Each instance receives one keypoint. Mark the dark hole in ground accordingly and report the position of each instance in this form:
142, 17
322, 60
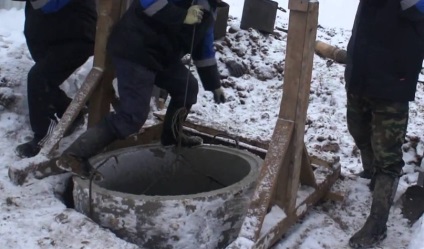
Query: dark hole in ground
165, 172
208, 182
67, 195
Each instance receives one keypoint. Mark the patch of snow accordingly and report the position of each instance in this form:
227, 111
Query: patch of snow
33, 216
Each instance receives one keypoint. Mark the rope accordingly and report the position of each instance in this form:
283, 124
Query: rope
180, 115
190, 58
92, 176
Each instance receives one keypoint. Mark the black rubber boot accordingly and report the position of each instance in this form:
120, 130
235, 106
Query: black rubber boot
28, 149
375, 229
367, 156
172, 133
33, 147
371, 186
75, 158
365, 174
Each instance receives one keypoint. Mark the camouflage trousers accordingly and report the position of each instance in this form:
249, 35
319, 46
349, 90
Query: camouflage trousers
378, 128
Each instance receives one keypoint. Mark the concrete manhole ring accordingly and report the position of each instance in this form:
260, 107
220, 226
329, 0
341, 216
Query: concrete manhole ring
157, 198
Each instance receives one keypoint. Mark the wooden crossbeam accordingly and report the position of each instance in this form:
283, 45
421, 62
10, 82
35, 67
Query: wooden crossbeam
270, 237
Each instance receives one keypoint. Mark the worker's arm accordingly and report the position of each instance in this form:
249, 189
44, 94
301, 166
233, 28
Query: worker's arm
49, 6
164, 11
413, 9
204, 59
207, 68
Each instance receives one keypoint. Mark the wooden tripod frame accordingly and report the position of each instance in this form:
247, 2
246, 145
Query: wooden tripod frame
287, 163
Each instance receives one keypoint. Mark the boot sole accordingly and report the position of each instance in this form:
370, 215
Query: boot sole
359, 246
98, 177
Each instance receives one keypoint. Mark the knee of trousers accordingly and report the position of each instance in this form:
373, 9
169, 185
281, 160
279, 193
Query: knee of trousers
189, 95
36, 81
123, 125
361, 135
394, 169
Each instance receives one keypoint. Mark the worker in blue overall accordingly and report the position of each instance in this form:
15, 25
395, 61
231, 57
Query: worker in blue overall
146, 47
60, 38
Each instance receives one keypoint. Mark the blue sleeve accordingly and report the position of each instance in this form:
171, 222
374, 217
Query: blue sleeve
147, 3
413, 9
164, 11
49, 6
204, 53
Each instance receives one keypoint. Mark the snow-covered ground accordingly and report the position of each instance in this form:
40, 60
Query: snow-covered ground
32, 216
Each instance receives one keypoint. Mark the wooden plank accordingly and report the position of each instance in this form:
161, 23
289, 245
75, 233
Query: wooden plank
47, 166
293, 66
225, 141
281, 184
298, 5
307, 176
274, 234
267, 180
109, 12
297, 81
102, 97
335, 196
208, 134
72, 111
39, 167
146, 136
213, 132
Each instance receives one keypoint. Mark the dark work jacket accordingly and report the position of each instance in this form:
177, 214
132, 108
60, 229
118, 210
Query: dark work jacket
386, 50
157, 38
50, 25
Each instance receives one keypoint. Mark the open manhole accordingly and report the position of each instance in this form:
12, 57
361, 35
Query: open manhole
158, 197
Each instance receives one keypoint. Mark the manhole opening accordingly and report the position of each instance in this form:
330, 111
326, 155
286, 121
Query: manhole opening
66, 196
184, 199
163, 172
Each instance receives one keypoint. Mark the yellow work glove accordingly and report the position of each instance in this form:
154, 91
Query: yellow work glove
194, 15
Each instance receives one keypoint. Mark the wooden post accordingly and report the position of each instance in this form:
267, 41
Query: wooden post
297, 84
287, 163
99, 103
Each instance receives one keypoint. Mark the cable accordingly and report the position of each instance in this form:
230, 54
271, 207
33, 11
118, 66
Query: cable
92, 177
180, 115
